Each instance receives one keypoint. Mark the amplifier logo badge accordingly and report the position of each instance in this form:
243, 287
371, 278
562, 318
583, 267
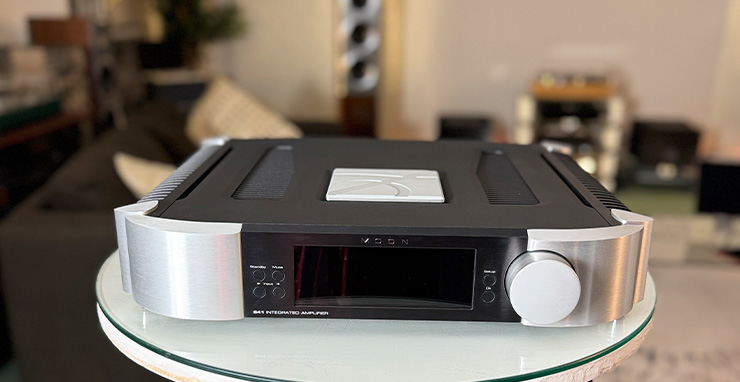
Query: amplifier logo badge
387, 241
385, 185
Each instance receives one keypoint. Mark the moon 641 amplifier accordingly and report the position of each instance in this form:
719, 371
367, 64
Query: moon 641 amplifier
360, 228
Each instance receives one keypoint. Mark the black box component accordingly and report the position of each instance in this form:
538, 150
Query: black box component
445, 230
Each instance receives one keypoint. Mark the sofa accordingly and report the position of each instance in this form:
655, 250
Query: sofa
53, 244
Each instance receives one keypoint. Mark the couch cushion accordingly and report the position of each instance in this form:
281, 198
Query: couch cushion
164, 122
89, 180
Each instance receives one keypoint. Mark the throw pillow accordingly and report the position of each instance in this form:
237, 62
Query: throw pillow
140, 175
227, 110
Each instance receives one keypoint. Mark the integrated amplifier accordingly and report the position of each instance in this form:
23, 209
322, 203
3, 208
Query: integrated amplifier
361, 228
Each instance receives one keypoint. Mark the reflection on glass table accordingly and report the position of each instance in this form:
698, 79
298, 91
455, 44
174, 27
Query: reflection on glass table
315, 349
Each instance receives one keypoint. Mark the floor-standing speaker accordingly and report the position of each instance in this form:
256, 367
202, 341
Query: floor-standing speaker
359, 70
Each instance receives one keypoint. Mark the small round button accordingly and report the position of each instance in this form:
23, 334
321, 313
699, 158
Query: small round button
488, 296
259, 292
258, 275
489, 280
278, 276
278, 292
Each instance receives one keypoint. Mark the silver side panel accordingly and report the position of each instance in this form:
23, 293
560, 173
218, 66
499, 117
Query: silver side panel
150, 201
181, 269
630, 218
120, 214
611, 263
184, 269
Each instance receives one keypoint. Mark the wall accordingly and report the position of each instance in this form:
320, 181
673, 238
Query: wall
285, 58
478, 55
725, 115
14, 16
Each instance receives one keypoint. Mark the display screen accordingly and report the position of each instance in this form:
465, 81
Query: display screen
384, 277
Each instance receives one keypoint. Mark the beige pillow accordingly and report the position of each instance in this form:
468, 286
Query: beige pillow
227, 110
140, 175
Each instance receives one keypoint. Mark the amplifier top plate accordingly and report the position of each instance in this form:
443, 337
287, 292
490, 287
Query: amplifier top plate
479, 187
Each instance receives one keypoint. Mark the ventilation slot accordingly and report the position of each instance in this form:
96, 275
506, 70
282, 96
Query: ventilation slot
592, 185
270, 178
181, 174
501, 181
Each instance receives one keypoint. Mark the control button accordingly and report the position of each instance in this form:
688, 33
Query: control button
258, 275
259, 292
489, 280
488, 296
278, 276
278, 292
543, 287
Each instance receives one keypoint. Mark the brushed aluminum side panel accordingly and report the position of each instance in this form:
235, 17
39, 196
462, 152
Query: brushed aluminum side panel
120, 214
606, 260
184, 269
626, 217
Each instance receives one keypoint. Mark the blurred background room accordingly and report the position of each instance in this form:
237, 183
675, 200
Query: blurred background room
101, 99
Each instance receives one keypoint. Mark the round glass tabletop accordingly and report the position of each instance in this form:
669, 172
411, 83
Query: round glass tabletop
284, 349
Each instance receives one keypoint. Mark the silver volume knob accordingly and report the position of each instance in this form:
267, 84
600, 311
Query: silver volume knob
543, 287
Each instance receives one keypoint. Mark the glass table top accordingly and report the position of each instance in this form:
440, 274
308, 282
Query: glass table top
314, 349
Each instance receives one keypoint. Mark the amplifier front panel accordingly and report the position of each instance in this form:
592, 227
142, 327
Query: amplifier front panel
378, 276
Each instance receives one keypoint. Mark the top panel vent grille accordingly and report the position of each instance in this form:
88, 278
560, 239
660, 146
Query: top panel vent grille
181, 174
270, 177
592, 185
501, 181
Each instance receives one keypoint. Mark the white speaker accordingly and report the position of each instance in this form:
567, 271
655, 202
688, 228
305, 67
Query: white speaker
359, 42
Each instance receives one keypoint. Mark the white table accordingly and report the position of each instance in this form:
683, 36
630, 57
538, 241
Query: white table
284, 349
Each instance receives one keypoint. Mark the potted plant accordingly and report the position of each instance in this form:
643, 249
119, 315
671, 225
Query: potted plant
191, 23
